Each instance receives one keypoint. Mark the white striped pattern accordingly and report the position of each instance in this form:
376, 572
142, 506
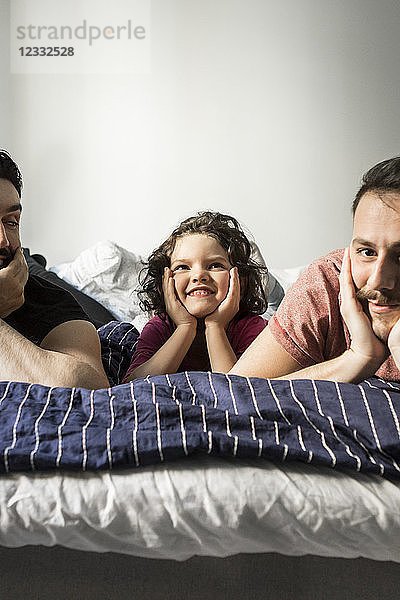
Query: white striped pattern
331, 424
339, 393
260, 447
191, 387
113, 329
59, 429
212, 389
121, 360
277, 441
203, 415
276, 433
320, 433
278, 404
285, 452
5, 392
346, 446
301, 442
316, 396
254, 436
235, 445
394, 414
371, 458
168, 380
253, 429
374, 432
135, 428
174, 395
14, 439
210, 442
84, 428
109, 429
110, 350
159, 441
36, 429
235, 410
183, 430
374, 387
253, 397
388, 383
228, 429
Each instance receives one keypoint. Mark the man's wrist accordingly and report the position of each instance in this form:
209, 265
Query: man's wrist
361, 365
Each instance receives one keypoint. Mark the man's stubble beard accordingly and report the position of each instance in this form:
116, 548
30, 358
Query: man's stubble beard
7, 256
381, 325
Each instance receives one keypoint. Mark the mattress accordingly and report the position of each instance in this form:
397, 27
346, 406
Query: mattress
205, 506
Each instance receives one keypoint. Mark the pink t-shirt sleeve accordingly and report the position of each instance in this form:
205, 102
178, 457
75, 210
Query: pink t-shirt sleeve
308, 324
154, 335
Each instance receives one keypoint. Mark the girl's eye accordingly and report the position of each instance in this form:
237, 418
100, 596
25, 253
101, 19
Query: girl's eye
217, 265
180, 268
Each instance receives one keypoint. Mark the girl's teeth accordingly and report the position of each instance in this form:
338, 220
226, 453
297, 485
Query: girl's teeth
200, 293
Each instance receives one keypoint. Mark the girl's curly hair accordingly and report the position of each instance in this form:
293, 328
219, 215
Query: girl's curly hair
227, 231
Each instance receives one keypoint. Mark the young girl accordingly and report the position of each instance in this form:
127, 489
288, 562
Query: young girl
207, 295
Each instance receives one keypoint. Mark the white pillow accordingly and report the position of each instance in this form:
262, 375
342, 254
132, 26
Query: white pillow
109, 274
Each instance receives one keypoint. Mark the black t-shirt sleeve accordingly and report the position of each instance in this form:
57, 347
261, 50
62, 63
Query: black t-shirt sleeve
46, 306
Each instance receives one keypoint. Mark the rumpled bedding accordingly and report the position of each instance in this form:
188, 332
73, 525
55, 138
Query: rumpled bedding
201, 464
170, 417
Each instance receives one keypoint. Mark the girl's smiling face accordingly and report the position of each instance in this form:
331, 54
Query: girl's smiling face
200, 267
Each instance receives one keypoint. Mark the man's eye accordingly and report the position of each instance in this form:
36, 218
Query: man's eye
12, 224
366, 252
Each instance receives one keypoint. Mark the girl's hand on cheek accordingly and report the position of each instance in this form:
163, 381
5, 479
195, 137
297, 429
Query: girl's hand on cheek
175, 309
228, 308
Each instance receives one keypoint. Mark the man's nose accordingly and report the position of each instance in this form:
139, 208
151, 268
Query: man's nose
384, 275
4, 243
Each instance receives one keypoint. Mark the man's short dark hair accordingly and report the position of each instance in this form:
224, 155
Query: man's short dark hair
10, 171
381, 178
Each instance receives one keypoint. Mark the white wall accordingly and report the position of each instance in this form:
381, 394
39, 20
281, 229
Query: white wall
5, 78
267, 109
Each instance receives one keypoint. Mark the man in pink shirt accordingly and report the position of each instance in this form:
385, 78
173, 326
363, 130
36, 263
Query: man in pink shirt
341, 320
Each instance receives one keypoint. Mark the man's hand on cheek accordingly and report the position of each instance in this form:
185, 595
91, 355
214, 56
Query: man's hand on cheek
13, 279
365, 346
393, 342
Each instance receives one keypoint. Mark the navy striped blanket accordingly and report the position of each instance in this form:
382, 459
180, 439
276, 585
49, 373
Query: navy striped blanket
170, 417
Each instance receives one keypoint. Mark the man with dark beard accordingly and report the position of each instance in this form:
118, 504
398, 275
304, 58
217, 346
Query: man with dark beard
319, 333
45, 337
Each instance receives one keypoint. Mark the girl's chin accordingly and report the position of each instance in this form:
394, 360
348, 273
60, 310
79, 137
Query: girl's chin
201, 313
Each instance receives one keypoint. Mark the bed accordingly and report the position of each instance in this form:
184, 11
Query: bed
196, 484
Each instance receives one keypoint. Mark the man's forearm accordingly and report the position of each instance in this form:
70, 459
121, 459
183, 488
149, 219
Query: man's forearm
22, 360
347, 368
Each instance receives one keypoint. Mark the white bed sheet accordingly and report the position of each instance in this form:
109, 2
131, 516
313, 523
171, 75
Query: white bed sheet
205, 506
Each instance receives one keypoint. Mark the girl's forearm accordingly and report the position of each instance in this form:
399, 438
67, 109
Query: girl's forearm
222, 357
168, 358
